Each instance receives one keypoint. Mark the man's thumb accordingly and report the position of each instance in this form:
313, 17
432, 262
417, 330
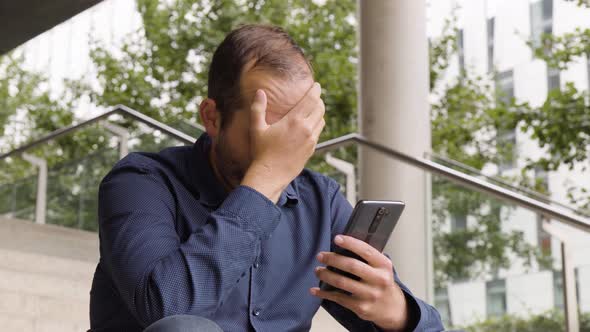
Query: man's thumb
258, 109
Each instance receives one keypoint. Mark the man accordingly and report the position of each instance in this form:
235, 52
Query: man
233, 232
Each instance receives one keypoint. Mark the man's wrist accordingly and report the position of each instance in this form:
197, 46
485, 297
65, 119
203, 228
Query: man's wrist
398, 324
260, 179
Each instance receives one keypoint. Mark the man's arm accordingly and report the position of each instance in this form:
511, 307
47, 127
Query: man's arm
420, 315
158, 275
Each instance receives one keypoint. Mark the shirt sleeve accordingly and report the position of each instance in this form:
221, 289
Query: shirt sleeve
423, 317
155, 273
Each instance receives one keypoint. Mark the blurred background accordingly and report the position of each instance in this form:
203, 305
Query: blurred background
496, 91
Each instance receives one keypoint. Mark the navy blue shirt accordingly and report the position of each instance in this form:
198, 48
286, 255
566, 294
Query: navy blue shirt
173, 241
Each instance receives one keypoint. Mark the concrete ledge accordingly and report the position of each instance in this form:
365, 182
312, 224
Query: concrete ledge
50, 240
45, 276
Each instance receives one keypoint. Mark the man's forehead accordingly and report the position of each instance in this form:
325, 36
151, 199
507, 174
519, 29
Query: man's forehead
282, 93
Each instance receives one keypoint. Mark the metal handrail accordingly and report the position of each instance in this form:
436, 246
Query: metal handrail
122, 109
494, 179
463, 179
422, 163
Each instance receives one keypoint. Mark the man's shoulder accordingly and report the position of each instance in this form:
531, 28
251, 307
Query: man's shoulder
152, 162
319, 181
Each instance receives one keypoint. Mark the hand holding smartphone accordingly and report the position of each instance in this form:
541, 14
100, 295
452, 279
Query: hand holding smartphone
371, 222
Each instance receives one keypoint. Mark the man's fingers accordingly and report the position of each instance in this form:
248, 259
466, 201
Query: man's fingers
347, 264
339, 281
344, 300
317, 111
306, 105
258, 110
363, 249
317, 130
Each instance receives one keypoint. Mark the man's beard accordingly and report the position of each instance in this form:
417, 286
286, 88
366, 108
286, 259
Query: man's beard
229, 169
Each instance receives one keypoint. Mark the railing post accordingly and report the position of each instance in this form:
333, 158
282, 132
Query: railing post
123, 135
570, 297
348, 169
13, 204
41, 201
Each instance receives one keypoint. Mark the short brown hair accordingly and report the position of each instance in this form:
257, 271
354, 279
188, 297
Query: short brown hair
269, 47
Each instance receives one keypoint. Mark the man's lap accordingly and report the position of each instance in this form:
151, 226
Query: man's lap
183, 323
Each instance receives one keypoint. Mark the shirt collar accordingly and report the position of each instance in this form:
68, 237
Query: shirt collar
209, 189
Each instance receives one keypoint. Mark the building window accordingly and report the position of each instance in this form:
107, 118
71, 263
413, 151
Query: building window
505, 86
541, 20
458, 222
577, 282
553, 82
558, 289
490, 27
541, 179
543, 238
506, 139
461, 50
542, 185
496, 298
442, 304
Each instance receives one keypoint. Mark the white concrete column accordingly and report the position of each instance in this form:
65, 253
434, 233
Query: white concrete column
394, 111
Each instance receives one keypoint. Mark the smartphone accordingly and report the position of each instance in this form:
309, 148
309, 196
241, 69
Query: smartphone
371, 222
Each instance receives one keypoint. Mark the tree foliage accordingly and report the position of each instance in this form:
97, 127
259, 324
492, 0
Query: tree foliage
562, 124
548, 321
161, 70
467, 117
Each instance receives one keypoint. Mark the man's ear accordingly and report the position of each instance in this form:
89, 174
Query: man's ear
210, 117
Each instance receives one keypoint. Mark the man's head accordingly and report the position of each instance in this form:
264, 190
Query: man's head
251, 57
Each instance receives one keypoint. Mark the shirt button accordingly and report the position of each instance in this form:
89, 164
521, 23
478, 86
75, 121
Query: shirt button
256, 312
256, 265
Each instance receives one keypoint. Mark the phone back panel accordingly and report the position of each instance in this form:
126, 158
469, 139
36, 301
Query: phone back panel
365, 226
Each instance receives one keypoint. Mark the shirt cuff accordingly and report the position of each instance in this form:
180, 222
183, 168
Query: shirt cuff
422, 316
414, 311
254, 208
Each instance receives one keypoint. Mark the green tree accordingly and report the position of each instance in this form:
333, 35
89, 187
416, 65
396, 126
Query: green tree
161, 70
71, 178
21, 90
562, 124
467, 117
548, 321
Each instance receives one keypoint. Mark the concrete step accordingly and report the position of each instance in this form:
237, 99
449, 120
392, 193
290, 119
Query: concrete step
323, 321
71, 269
18, 324
50, 240
35, 307
42, 285
45, 276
